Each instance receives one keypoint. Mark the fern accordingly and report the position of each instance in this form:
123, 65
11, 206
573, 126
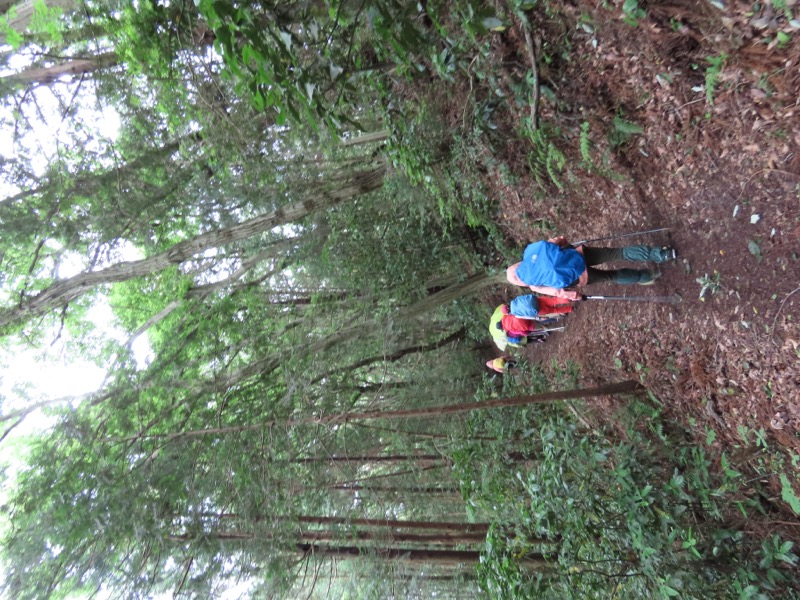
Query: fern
555, 160
586, 144
626, 127
623, 131
536, 169
538, 158
545, 158
712, 75
788, 495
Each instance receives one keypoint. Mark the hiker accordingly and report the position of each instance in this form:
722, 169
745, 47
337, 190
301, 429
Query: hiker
501, 364
540, 308
522, 321
521, 329
509, 329
549, 267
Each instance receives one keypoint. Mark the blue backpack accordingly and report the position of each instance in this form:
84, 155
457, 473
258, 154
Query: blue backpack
545, 263
525, 306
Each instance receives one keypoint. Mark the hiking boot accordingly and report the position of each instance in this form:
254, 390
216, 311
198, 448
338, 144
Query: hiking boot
662, 255
649, 277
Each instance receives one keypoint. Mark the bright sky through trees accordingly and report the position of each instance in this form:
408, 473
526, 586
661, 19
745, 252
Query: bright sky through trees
48, 373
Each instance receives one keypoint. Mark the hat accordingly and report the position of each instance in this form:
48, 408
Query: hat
496, 364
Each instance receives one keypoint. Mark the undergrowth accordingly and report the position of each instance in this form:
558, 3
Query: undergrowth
632, 509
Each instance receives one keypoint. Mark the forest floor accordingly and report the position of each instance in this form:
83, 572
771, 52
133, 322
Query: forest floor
725, 179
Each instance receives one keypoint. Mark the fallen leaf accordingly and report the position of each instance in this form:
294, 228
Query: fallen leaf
755, 249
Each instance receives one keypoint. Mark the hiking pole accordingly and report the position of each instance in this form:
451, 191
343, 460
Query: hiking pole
616, 237
537, 331
674, 299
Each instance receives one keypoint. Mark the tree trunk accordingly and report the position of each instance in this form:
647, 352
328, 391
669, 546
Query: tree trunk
63, 292
384, 536
482, 528
367, 138
629, 386
381, 536
369, 459
432, 302
388, 475
468, 286
24, 12
46, 75
450, 558
624, 387
419, 489
395, 356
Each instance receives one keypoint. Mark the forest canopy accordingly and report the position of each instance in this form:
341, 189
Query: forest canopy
272, 227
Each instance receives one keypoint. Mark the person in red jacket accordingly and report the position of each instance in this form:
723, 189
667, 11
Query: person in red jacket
519, 327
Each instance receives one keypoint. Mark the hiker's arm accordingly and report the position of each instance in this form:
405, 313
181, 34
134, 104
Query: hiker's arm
550, 291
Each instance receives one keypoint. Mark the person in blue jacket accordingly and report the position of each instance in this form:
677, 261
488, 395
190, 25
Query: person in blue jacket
550, 267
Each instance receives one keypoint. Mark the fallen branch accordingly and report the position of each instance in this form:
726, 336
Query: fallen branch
535, 69
765, 170
780, 308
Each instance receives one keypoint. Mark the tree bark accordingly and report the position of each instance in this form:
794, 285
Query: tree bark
311, 536
624, 387
63, 292
482, 528
367, 138
629, 386
395, 356
46, 75
468, 286
449, 558
420, 489
24, 12
369, 459
435, 539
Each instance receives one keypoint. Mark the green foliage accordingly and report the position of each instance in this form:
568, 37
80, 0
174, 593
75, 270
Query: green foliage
478, 19
600, 166
709, 284
136, 301
268, 61
632, 12
635, 511
13, 37
622, 131
362, 247
45, 22
788, 495
450, 165
545, 156
713, 72
309, 73
586, 144
501, 573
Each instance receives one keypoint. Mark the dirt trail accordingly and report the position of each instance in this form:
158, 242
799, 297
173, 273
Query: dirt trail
725, 177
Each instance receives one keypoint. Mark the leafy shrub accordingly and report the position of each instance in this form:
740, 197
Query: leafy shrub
628, 512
